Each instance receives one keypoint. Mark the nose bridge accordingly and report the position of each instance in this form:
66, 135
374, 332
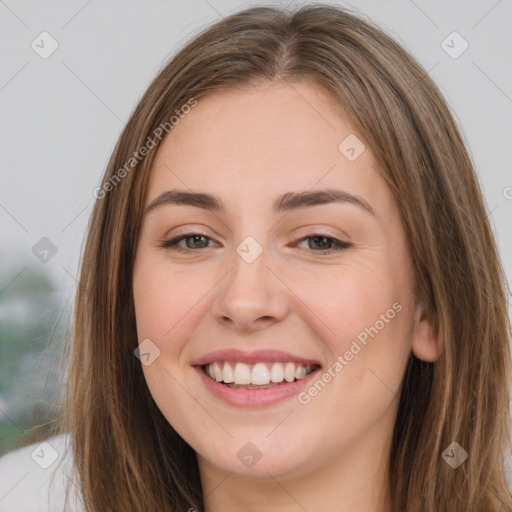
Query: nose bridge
250, 275
250, 291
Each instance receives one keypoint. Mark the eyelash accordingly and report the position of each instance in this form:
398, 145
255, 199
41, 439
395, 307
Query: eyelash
172, 244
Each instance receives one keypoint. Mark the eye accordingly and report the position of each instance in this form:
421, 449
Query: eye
197, 242
327, 244
322, 244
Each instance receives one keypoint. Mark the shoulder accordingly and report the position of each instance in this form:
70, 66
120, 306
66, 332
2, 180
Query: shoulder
39, 478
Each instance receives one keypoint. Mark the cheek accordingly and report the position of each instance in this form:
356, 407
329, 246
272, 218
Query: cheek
166, 308
365, 311
347, 297
165, 301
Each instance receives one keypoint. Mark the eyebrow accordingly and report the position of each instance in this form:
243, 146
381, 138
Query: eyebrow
284, 203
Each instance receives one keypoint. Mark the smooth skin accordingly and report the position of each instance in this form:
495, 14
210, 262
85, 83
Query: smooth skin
300, 295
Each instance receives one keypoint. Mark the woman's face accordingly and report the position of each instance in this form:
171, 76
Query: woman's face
264, 289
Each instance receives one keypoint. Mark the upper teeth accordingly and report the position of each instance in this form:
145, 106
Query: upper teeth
259, 373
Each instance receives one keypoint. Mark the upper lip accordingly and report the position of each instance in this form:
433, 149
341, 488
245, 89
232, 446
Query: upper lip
257, 356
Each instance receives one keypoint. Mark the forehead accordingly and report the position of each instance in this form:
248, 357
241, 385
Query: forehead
248, 145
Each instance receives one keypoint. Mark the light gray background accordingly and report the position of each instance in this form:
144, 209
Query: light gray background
61, 116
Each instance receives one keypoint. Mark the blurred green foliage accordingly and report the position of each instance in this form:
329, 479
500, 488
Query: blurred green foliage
31, 340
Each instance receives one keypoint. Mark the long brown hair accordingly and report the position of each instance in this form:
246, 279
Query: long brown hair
127, 455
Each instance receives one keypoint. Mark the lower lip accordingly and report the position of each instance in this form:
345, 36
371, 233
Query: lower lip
254, 397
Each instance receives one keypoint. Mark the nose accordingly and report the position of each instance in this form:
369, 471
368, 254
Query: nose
251, 296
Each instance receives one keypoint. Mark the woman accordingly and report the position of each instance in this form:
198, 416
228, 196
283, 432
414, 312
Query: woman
290, 296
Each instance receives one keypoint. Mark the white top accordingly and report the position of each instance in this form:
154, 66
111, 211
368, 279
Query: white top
36, 478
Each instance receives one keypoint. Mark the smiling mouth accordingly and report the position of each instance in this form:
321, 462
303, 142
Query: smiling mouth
262, 375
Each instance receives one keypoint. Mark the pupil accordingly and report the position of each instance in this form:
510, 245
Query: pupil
196, 238
316, 238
